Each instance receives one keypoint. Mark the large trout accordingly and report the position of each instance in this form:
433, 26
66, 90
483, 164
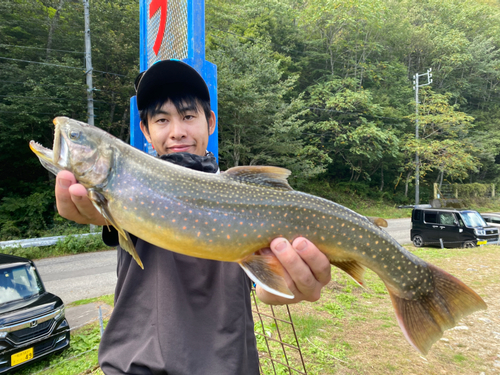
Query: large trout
229, 217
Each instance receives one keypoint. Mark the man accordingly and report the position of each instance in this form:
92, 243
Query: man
184, 315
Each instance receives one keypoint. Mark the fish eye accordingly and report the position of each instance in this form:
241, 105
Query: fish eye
74, 134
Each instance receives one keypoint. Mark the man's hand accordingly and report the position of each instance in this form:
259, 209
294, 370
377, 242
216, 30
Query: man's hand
73, 203
307, 270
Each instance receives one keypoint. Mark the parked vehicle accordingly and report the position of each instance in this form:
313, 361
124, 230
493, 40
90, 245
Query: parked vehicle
451, 227
492, 219
32, 320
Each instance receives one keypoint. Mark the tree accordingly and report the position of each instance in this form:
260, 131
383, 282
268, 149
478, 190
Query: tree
256, 124
442, 145
350, 126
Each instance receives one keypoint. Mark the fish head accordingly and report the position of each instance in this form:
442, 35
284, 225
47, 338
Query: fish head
79, 148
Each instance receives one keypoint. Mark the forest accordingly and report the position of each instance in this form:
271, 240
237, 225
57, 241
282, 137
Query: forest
321, 87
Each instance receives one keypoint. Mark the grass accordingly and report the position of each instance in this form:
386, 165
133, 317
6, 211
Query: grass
108, 299
81, 357
352, 330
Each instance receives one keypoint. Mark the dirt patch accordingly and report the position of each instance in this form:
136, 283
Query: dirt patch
368, 340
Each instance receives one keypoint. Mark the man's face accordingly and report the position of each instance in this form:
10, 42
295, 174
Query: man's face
169, 131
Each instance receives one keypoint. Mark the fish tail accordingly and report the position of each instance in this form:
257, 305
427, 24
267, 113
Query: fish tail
423, 320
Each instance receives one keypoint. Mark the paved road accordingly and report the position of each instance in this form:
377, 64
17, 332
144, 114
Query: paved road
400, 230
81, 276
76, 277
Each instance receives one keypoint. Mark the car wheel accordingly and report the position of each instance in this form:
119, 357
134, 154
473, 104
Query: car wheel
469, 244
418, 241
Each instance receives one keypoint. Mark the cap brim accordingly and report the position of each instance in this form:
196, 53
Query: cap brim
150, 84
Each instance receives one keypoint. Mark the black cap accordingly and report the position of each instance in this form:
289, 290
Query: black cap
150, 83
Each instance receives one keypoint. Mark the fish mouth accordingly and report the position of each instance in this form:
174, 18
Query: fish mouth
54, 160
45, 154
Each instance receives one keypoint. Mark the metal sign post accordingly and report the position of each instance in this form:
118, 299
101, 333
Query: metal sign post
173, 29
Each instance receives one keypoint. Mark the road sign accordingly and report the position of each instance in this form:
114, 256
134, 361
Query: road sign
173, 29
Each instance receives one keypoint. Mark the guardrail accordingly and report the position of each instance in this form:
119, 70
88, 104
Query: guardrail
43, 241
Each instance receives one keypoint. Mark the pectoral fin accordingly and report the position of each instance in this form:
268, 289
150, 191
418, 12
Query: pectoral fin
101, 204
267, 272
127, 245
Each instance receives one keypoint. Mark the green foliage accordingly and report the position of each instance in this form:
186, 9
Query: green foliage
79, 358
442, 144
345, 120
108, 299
322, 88
42, 74
472, 190
25, 216
459, 358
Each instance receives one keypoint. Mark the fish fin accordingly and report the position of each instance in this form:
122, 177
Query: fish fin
423, 320
273, 177
353, 268
127, 245
378, 221
100, 202
267, 272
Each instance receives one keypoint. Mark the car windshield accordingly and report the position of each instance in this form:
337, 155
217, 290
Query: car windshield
19, 282
473, 219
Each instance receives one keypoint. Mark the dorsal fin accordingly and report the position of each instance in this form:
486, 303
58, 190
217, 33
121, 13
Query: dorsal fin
378, 221
273, 177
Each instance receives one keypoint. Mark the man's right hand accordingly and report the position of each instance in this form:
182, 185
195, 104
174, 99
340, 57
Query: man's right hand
73, 202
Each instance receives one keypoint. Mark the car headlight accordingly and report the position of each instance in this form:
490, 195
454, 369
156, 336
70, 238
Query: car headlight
60, 313
3, 335
480, 232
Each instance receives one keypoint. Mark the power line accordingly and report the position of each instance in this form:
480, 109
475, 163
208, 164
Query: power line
41, 63
60, 66
80, 86
46, 84
44, 49
49, 98
115, 74
39, 97
24, 113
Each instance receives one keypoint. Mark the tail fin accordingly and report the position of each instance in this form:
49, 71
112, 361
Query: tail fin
424, 320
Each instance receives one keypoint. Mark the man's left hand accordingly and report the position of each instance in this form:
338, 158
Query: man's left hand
307, 270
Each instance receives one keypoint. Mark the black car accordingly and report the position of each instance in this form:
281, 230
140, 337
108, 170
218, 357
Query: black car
32, 320
451, 228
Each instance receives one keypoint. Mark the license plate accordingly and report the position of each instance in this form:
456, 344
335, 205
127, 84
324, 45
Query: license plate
482, 242
21, 357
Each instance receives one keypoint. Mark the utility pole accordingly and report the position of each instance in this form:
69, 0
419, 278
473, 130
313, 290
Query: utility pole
88, 65
416, 86
88, 73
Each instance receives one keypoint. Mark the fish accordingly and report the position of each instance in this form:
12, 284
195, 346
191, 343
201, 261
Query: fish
232, 215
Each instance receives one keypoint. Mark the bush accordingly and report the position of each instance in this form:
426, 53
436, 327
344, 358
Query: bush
26, 217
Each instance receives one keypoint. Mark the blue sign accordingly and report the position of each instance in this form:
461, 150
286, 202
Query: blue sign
173, 29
